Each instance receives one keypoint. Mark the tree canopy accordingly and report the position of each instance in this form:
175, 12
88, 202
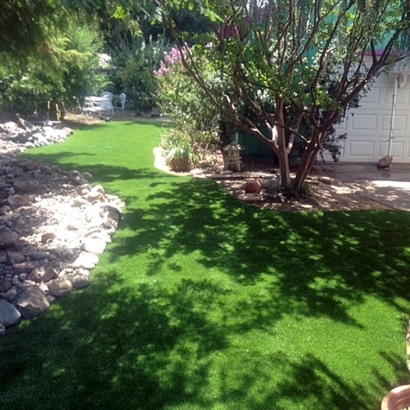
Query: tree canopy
25, 26
292, 67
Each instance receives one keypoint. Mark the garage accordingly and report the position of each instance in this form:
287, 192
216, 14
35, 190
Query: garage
381, 125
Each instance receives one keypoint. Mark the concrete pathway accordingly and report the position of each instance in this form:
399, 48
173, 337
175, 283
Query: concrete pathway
389, 186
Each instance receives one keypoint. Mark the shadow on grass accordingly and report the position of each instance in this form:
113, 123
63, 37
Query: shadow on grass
320, 262
147, 347
153, 344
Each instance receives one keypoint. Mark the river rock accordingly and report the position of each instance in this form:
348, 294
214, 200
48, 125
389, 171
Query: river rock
60, 287
96, 194
9, 315
19, 200
8, 238
32, 301
94, 245
81, 280
86, 260
53, 224
43, 273
27, 185
23, 267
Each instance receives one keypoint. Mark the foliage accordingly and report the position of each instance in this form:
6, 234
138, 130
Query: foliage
331, 144
315, 58
82, 75
26, 27
65, 74
115, 19
197, 122
134, 65
178, 149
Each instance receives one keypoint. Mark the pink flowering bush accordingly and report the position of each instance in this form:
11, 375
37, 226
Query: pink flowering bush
196, 120
170, 59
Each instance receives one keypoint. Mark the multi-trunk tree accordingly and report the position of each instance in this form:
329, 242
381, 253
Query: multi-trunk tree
292, 67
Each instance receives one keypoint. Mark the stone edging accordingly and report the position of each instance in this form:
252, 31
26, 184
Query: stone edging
53, 226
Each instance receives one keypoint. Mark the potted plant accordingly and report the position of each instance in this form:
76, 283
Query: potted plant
179, 159
177, 151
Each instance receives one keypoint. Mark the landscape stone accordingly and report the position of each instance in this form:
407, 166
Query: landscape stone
32, 301
60, 287
10, 127
27, 185
22, 277
6, 286
10, 295
9, 315
385, 162
86, 260
43, 273
19, 200
94, 245
23, 267
81, 281
15, 257
37, 255
53, 224
8, 238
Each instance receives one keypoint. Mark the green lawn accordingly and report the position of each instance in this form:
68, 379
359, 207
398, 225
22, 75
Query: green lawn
203, 302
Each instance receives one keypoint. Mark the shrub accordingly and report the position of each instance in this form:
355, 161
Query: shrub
67, 73
135, 63
197, 123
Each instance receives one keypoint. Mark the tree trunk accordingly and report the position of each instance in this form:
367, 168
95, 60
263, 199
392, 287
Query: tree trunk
281, 148
283, 159
308, 159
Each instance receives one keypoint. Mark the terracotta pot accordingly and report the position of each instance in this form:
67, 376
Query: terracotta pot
253, 187
397, 399
179, 164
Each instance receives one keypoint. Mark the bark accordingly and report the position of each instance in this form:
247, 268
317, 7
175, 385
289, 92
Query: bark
283, 157
280, 145
308, 159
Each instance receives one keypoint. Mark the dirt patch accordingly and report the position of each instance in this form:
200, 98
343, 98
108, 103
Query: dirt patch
324, 192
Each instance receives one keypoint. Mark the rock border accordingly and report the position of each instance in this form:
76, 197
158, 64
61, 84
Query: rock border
53, 225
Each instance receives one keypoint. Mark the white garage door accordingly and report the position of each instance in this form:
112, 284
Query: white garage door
368, 127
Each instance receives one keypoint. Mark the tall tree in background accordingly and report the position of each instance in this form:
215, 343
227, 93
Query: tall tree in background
286, 63
25, 26
61, 64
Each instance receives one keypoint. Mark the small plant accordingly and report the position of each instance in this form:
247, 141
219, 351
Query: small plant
178, 150
332, 145
290, 192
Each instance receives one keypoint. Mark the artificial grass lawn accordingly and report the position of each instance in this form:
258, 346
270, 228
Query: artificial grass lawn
203, 302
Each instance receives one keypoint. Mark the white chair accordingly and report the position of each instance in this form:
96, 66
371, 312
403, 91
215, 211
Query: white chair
123, 98
106, 108
108, 95
89, 106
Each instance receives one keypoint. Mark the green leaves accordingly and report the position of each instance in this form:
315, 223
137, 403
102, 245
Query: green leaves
288, 64
66, 72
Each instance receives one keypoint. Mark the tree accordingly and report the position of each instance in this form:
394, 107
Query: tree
25, 26
291, 66
135, 62
66, 71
